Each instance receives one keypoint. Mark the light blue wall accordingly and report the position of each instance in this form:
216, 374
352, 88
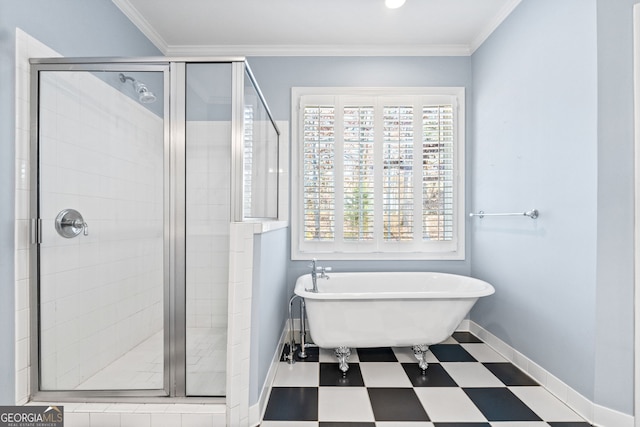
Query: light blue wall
269, 305
553, 129
615, 228
277, 75
73, 28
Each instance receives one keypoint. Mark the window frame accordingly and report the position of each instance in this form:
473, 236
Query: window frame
381, 250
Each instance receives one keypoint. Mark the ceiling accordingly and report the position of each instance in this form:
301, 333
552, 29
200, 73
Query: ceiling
316, 27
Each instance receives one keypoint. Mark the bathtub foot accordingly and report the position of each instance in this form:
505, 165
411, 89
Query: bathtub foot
343, 353
420, 351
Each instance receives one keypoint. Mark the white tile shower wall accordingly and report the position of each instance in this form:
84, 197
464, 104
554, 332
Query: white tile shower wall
26, 47
101, 153
240, 284
208, 215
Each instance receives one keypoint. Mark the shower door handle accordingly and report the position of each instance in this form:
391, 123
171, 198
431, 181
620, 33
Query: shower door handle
69, 223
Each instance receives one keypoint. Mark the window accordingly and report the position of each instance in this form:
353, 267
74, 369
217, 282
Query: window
378, 173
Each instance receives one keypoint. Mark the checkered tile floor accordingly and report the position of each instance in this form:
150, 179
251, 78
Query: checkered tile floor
467, 384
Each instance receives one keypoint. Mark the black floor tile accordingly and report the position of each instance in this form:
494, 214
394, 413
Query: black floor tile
461, 425
292, 404
500, 404
313, 354
510, 375
346, 424
331, 375
436, 376
451, 353
466, 337
568, 424
378, 354
402, 404
396, 404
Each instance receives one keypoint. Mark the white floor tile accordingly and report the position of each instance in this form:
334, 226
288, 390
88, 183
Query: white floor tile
467, 374
384, 374
300, 374
344, 404
483, 353
447, 404
544, 404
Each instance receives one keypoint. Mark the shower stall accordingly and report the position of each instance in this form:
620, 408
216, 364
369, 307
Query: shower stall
139, 167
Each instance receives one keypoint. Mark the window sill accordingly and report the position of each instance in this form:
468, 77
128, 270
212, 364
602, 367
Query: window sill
380, 256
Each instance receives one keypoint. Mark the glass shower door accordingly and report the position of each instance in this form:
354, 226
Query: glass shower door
101, 207
208, 194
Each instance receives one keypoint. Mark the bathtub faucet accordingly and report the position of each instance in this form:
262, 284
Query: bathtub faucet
315, 270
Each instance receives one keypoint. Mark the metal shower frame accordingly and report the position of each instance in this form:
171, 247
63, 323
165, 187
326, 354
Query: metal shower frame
174, 258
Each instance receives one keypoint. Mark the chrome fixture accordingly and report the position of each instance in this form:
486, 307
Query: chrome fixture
292, 339
69, 223
145, 96
420, 352
302, 354
533, 214
343, 353
315, 269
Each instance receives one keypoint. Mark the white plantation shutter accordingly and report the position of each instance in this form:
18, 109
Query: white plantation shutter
318, 175
358, 173
437, 172
379, 174
397, 181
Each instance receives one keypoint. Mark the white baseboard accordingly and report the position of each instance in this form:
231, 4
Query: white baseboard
256, 412
593, 413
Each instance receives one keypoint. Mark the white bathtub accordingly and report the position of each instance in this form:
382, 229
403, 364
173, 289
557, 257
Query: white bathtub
388, 309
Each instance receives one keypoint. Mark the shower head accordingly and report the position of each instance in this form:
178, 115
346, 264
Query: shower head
145, 96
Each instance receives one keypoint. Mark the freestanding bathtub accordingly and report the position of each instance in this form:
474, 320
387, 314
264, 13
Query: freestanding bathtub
387, 309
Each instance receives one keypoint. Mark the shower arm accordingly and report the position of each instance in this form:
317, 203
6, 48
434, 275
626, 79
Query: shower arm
124, 78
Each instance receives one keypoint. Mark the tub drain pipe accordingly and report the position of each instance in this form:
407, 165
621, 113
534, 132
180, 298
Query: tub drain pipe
302, 354
292, 339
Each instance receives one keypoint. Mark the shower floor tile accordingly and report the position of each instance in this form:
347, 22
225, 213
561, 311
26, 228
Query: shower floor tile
467, 384
142, 367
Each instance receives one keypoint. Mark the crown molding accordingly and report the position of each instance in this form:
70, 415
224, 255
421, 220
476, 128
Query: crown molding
313, 50
493, 25
319, 50
143, 25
